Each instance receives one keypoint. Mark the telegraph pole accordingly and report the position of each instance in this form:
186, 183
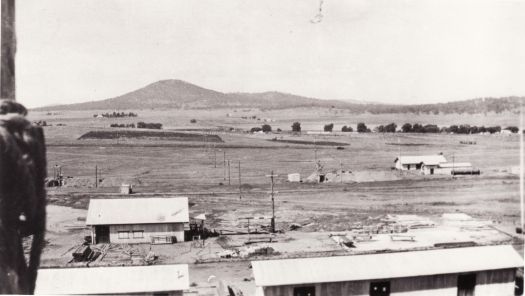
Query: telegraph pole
341, 166
229, 175
240, 184
224, 166
214, 156
272, 223
96, 176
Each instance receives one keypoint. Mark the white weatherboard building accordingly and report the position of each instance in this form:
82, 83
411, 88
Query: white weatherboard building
447, 168
479, 271
136, 280
138, 220
407, 163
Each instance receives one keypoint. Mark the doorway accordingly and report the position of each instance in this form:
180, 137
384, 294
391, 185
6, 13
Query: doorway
466, 284
380, 288
102, 234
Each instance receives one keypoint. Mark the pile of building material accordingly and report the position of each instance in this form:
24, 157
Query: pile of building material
408, 221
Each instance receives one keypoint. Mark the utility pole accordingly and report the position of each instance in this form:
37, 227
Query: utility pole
341, 174
272, 223
229, 175
214, 156
224, 166
96, 176
315, 151
240, 184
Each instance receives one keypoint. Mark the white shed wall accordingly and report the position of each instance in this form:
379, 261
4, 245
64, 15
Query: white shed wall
149, 230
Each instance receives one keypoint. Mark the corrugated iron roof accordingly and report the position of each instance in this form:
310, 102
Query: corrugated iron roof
426, 159
383, 266
137, 211
112, 280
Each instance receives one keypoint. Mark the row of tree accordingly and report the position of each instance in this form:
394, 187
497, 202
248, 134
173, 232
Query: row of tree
117, 114
123, 125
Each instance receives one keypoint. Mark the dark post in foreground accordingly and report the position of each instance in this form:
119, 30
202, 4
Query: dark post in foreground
22, 174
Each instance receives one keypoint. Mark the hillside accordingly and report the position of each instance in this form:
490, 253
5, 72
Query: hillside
178, 94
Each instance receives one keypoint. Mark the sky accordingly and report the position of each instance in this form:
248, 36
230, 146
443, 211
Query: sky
391, 51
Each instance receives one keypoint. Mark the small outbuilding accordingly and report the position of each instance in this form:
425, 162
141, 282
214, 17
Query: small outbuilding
407, 163
488, 270
122, 280
137, 220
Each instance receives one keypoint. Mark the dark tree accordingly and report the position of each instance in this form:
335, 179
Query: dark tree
296, 127
513, 129
361, 128
390, 128
266, 128
407, 128
329, 127
347, 129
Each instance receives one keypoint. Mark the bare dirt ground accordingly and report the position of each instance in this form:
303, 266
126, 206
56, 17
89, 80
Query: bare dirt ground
199, 170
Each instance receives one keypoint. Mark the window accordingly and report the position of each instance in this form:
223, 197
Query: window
466, 284
380, 289
138, 233
304, 291
123, 234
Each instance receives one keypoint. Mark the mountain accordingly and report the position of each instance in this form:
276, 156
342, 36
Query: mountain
177, 94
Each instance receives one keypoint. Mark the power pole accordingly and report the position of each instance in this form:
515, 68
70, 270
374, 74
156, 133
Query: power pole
272, 223
224, 166
214, 156
240, 184
341, 166
229, 175
96, 176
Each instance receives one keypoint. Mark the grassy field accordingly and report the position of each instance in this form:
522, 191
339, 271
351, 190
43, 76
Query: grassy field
192, 165
199, 167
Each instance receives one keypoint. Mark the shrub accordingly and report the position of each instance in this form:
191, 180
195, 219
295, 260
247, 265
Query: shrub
193, 120
255, 129
513, 129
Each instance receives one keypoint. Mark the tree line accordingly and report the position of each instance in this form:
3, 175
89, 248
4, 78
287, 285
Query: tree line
117, 114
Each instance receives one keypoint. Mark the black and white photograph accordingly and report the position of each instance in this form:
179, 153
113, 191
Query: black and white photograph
262, 148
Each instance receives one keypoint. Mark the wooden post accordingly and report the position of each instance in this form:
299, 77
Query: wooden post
8, 45
96, 176
229, 175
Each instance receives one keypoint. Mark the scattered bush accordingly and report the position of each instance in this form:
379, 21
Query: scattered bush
193, 120
255, 129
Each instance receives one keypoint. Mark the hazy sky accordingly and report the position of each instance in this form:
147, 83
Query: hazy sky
396, 51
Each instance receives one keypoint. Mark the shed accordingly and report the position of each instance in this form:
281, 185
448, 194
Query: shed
448, 168
137, 220
415, 162
488, 270
126, 189
123, 280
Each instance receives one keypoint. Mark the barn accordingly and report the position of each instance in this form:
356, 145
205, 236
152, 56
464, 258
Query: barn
122, 280
487, 270
137, 220
407, 163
